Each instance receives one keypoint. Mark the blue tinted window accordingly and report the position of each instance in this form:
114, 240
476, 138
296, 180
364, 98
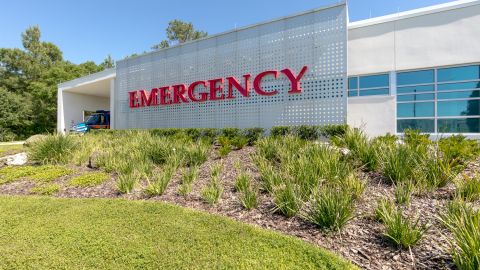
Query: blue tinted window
461, 94
458, 86
352, 83
420, 109
374, 92
415, 77
458, 125
418, 97
353, 93
381, 80
424, 125
459, 73
458, 108
415, 89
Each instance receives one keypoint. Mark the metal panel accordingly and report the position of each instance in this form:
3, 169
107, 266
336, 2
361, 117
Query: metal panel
317, 39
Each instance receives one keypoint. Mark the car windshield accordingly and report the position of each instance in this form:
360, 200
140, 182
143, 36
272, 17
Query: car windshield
92, 119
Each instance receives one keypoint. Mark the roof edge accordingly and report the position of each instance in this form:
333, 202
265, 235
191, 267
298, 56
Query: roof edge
94, 77
414, 13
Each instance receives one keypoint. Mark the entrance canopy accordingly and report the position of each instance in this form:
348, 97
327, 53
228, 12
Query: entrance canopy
84, 95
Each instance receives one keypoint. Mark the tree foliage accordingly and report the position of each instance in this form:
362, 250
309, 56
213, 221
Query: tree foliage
179, 32
28, 85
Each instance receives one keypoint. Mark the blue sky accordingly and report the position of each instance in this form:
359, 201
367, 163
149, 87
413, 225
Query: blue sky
92, 29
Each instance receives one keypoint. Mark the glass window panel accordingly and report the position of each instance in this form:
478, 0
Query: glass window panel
353, 93
459, 94
419, 97
459, 73
352, 83
458, 86
458, 108
374, 92
415, 77
419, 109
372, 81
457, 125
424, 125
415, 89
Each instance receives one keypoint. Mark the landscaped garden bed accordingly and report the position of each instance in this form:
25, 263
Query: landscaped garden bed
382, 203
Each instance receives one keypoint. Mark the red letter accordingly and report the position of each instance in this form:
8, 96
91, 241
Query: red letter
258, 80
133, 98
214, 88
191, 91
149, 101
164, 95
295, 81
179, 93
232, 81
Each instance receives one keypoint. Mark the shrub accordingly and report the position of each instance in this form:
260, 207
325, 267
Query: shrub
126, 182
224, 140
279, 131
330, 209
230, 132
248, 198
464, 224
253, 134
333, 130
287, 199
306, 132
209, 134
53, 149
90, 179
403, 192
468, 188
360, 146
458, 150
415, 139
159, 182
45, 189
399, 164
193, 133
224, 150
239, 142
196, 155
400, 230
159, 151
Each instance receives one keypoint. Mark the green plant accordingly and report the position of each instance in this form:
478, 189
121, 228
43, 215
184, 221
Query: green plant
249, 199
287, 199
268, 148
48, 190
403, 192
224, 140
279, 131
193, 133
224, 150
306, 132
269, 176
159, 182
330, 209
189, 176
463, 221
435, 172
242, 182
253, 134
212, 192
332, 130
53, 149
196, 155
399, 164
90, 179
239, 142
158, 151
230, 132
458, 150
468, 188
126, 182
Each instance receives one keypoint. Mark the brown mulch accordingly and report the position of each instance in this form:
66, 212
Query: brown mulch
361, 241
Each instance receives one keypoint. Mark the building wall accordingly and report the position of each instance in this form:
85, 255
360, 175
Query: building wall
375, 114
74, 104
443, 38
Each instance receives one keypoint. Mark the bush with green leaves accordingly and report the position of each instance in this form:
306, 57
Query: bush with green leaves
400, 230
305, 132
434, 172
224, 141
468, 188
53, 149
230, 132
463, 221
195, 154
193, 133
458, 150
224, 151
279, 131
329, 131
239, 142
330, 208
365, 152
253, 134
242, 182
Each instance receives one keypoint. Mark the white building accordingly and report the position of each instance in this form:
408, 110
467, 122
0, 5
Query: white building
415, 69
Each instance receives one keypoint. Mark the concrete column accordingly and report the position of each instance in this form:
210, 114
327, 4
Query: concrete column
112, 103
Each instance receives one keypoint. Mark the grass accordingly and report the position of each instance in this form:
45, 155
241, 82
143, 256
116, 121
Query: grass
126, 182
468, 188
158, 183
47, 189
46, 173
90, 179
214, 189
10, 149
120, 234
54, 149
189, 176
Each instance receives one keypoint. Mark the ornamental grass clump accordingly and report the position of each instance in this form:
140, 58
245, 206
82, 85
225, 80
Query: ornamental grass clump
458, 150
196, 154
157, 184
287, 199
239, 142
463, 221
330, 208
126, 182
399, 164
213, 191
403, 192
53, 149
189, 176
468, 188
249, 199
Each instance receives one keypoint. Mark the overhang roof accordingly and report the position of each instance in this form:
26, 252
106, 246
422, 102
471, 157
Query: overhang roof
96, 84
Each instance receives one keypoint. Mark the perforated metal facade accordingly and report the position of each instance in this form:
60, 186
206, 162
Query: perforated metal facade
317, 39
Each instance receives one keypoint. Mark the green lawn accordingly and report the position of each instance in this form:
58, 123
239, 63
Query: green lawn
47, 233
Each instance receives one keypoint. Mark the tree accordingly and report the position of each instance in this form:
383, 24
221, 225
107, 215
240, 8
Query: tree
179, 32
108, 62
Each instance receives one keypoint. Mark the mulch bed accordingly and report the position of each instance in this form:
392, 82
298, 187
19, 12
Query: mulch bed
361, 241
